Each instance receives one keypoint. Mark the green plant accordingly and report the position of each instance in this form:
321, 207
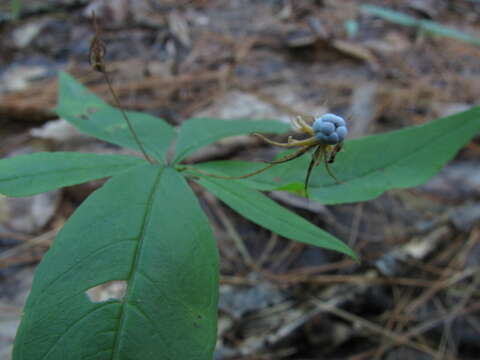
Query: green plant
146, 227
429, 27
15, 9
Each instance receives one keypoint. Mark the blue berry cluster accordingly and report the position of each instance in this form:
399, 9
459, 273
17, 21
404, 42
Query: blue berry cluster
330, 129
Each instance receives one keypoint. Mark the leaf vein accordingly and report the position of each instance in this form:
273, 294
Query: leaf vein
133, 270
99, 307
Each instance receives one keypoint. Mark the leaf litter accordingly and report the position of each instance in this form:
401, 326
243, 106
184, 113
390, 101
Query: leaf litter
416, 289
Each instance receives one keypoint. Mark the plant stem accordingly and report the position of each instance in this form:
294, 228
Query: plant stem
127, 120
201, 172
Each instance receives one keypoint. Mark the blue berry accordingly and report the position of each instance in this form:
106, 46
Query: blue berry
342, 132
337, 120
330, 129
325, 128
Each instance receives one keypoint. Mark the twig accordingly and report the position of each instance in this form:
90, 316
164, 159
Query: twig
353, 279
25, 245
355, 225
237, 239
398, 338
440, 285
272, 242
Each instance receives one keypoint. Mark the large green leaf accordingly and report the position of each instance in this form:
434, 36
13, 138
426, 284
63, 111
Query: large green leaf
145, 227
93, 116
265, 212
199, 132
369, 166
26, 175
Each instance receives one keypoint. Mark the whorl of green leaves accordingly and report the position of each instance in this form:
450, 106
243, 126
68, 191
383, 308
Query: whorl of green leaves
145, 226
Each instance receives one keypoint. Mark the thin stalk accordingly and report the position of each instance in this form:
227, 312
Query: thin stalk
314, 162
96, 58
204, 173
125, 117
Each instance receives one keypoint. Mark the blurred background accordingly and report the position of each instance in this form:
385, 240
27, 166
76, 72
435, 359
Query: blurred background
383, 65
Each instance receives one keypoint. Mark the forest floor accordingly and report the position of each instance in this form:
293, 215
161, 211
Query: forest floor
415, 294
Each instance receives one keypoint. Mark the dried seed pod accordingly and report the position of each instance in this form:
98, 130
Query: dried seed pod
97, 62
97, 49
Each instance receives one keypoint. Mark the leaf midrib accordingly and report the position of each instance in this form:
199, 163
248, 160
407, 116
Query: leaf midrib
42, 173
133, 270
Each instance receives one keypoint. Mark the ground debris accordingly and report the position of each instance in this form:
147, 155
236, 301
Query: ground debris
415, 293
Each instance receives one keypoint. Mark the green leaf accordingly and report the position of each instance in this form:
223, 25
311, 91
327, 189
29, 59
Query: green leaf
199, 132
16, 9
369, 166
145, 227
93, 116
400, 159
26, 175
389, 15
265, 212
351, 27
424, 25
